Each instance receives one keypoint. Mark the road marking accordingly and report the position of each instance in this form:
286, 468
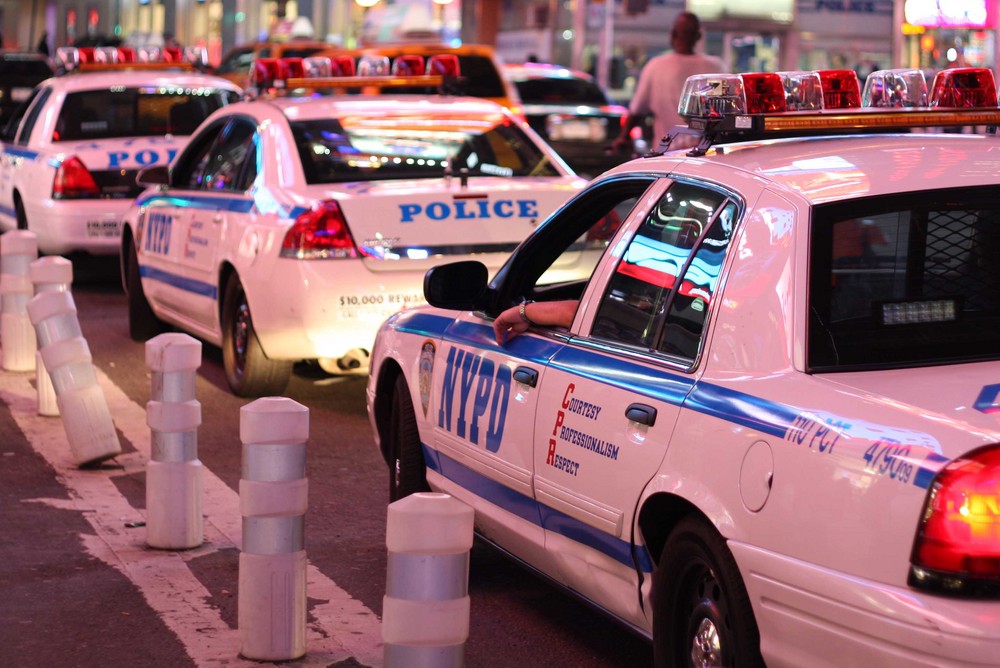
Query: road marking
342, 628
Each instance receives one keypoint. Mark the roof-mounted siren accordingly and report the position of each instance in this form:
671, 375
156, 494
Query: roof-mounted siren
895, 89
803, 90
197, 56
841, 89
373, 66
317, 66
265, 74
408, 65
964, 88
712, 96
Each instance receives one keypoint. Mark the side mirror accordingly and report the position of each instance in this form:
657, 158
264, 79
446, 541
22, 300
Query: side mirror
157, 175
460, 286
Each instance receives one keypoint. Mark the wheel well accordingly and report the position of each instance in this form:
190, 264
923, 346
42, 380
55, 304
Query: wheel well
124, 255
225, 271
658, 517
387, 375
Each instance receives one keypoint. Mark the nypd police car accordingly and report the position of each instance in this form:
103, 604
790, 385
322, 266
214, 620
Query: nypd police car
69, 157
770, 432
292, 225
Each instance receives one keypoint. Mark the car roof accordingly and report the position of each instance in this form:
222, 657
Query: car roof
78, 81
302, 108
543, 71
824, 169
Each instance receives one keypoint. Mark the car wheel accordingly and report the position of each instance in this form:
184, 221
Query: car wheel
142, 322
248, 370
701, 612
19, 214
407, 472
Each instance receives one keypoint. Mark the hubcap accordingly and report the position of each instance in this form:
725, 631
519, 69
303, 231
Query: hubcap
706, 647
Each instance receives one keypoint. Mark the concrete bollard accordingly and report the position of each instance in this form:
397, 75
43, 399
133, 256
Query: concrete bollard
18, 248
85, 414
274, 495
173, 474
425, 611
48, 274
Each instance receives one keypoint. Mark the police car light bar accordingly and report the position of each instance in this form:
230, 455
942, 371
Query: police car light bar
736, 107
105, 58
343, 73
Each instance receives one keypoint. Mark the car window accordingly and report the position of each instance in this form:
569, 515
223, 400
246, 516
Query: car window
136, 112
223, 166
238, 61
29, 112
189, 168
667, 273
554, 90
905, 280
410, 147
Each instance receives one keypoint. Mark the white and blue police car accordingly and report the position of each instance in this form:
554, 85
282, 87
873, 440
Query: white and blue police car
771, 431
293, 224
70, 155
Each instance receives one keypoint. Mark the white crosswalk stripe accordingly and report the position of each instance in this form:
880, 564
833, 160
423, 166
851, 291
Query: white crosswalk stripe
163, 576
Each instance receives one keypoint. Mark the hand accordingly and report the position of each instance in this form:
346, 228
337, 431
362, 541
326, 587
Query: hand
620, 144
509, 324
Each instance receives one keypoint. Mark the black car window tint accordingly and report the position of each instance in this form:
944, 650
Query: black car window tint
228, 155
30, 112
189, 169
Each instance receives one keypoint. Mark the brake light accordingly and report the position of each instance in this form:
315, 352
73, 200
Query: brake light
320, 233
957, 547
74, 181
964, 87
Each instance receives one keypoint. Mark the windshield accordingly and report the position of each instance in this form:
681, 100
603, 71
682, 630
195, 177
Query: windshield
401, 146
906, 280
560, 91
137, 112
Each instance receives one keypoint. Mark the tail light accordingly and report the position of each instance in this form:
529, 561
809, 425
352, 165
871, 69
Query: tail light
957, 548
74, 181
320, 233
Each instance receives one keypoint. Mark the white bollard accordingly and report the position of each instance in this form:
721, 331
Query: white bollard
274, 495
173, 474
425, 611
85, 414
48, 274
18, 248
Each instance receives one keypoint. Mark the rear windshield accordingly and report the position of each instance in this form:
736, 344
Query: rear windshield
416, 147
137, 112
560, 91
907, 280
23, 65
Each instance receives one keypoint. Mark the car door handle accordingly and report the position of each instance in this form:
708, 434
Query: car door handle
523, 374
217, 218
641, 413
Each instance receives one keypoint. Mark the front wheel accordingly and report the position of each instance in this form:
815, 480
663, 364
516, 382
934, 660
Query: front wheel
701, 611
142, 322
407, 472
248, 370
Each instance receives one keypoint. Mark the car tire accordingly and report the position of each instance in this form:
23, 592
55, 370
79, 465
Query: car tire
19, 215
142, 322
701, 612
248, 370
407, 470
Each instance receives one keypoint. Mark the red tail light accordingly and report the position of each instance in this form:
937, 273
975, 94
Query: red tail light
320, 233
958, 545
764, 93
73, 181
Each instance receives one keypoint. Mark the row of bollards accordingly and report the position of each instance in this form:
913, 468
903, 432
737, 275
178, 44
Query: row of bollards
426, 607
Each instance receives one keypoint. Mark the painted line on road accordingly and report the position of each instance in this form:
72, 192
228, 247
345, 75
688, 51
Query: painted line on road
339, 629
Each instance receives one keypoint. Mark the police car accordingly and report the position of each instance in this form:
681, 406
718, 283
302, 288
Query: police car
770, 432
69, 156
292, 225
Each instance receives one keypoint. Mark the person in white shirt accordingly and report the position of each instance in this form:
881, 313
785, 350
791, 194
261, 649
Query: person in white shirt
661, 81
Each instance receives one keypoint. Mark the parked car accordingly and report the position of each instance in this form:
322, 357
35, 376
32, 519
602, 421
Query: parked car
70, 154
19, 74
767, 433
571, 112
291, 226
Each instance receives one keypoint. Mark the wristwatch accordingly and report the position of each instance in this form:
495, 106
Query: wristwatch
524, 313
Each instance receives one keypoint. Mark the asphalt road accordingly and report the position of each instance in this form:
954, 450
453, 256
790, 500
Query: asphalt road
79, 587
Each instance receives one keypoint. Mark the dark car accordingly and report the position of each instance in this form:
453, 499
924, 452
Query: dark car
572, 113
19, 74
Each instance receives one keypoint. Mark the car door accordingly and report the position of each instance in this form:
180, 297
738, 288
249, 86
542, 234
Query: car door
610, 397
179, 241
17, 159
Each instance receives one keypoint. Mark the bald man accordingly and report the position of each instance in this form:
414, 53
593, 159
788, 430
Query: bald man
661, 80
